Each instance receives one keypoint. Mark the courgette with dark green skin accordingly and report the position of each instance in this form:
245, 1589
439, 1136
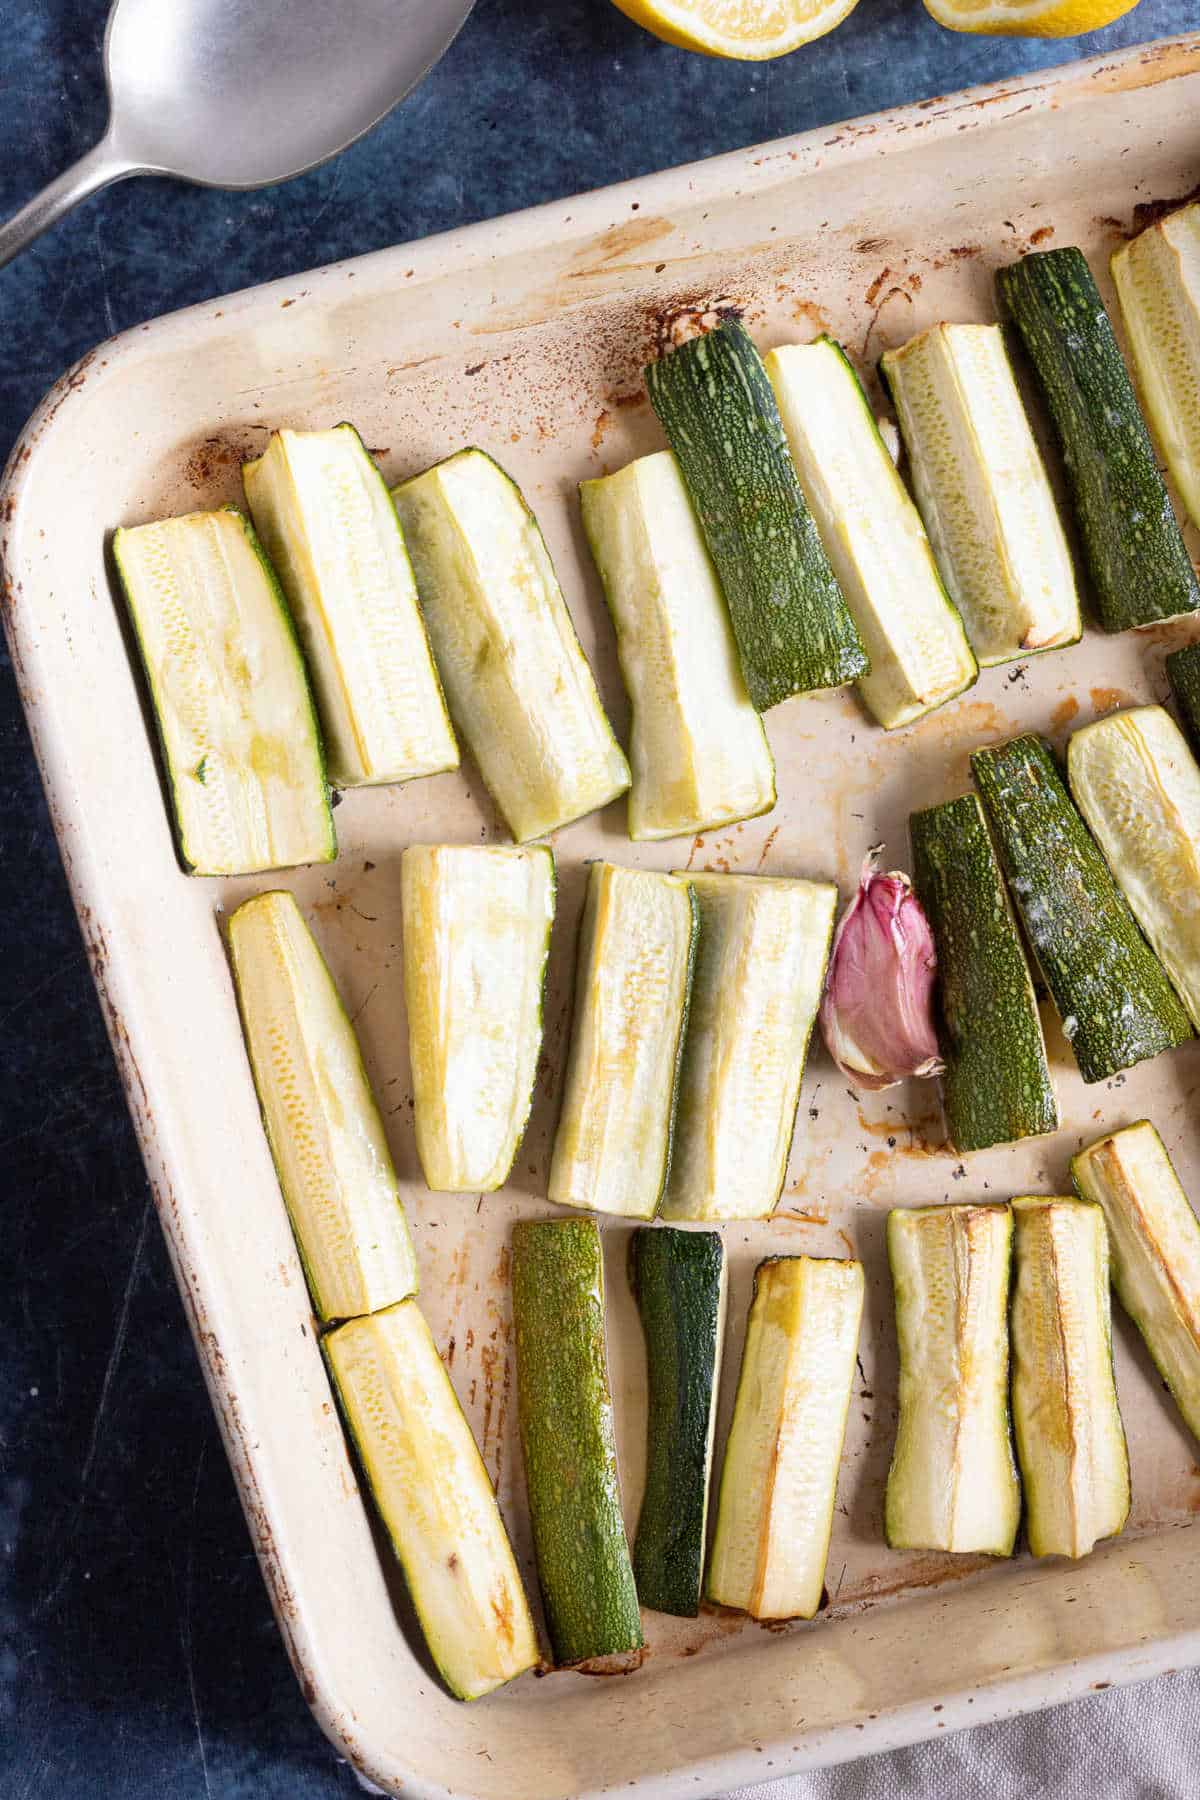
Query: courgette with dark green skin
793, 628
1183, 672
1136, 558
678, 1279
996, 1086
567, 1439
1112, 994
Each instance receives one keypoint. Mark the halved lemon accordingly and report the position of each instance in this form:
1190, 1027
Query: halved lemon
1028, 18
750, 30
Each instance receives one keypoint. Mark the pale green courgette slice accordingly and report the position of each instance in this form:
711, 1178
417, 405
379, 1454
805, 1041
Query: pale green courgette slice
612, 1151
1157, 276
760, 968
953, 1482
698, 749
320, 1115
476, 934
434, 1497
243, 759
1154, 1240
983, 491
324, 513
568, 1440
1137, 785
518, 684
779, 1479
1070, 1441
873, 535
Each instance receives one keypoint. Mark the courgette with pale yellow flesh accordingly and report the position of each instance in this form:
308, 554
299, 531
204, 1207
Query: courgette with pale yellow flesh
326, 518
1070, 1441
679, 1281
1138, 787
873, 534
779, 1479
434, 1497
983, 491
699, 752
518, 684
760, 968
242, 752
476, 935
612, 1151
953, 1482
568, 1440
320, 1115
1154, 1240
1157, 276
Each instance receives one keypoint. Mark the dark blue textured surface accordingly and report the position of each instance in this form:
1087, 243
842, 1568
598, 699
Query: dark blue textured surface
138, 1657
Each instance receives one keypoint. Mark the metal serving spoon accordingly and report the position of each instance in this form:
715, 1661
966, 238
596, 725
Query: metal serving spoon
242, 93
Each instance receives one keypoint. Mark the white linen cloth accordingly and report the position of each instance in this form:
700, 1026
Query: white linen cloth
1134, 1743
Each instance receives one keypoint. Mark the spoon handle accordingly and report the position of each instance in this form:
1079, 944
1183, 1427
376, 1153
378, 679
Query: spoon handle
102, 164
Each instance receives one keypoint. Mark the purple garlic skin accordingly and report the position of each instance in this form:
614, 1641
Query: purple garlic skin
877, 1009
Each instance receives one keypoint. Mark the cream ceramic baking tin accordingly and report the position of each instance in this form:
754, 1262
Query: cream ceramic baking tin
528, 336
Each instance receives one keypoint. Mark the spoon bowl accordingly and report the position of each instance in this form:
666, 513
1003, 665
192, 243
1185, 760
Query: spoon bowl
244, 93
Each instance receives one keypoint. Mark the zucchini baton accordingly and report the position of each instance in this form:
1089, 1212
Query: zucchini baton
476, 937
794, 631
1154, 1239
567, 1438
873, 535
1070, 1442
953, 1482
1157, 275
983, 491
324, 513
779, 1480
1137, 785
1136, 558
1115, 1002
320, 1115
679, 1282
434, 1497
996, 1085
612, 1149
519, 687
243, 760
699, 752
760, 968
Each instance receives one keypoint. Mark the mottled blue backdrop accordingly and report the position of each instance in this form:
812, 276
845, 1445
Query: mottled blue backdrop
138, 1657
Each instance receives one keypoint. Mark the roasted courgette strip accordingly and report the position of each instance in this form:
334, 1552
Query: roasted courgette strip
476, 936
1154, 1241
324, 513
699, 752
320, 1115
779, 1479
1070, 1441
953, 1482
434, 1497
242, 753
518, 685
